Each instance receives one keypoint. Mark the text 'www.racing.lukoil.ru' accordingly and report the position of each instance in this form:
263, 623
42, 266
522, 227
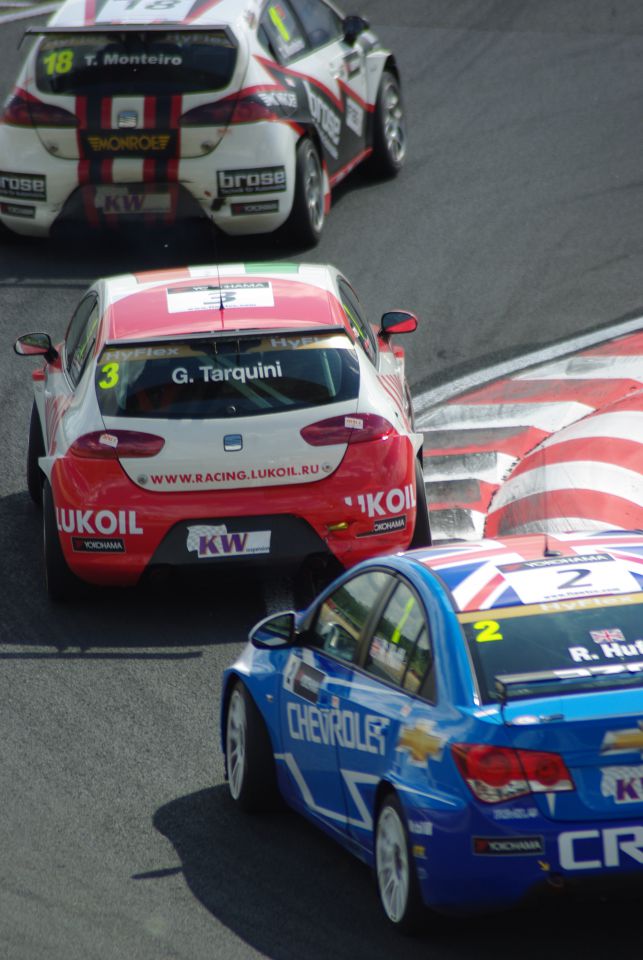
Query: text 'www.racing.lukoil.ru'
234, 476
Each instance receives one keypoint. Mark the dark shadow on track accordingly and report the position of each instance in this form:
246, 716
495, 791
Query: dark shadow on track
202, 608
291, 892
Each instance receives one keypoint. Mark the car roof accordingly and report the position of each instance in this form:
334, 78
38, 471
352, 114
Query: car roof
76, 13
183, 301
537, 568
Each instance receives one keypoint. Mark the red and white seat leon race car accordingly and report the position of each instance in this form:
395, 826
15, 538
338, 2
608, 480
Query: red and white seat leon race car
243, 114
207, 416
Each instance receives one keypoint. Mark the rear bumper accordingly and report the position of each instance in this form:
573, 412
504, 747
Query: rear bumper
467, 863
132, 191
112, 530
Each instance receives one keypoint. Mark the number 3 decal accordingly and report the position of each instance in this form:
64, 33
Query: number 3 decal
111, 376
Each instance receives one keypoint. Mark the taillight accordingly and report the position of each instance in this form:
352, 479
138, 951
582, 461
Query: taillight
229, 110
356, 428
494, 774
116, 444
24, 110
216, 114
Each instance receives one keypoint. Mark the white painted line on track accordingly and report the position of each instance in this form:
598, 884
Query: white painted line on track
477, 378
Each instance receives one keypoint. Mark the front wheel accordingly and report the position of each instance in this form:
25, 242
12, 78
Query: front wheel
306, 220
389, 129
422, 532
397, 882
249, 758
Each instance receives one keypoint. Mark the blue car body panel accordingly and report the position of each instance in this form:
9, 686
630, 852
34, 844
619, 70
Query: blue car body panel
341, 736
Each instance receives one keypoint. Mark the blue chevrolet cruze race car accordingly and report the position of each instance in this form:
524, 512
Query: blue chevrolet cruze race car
467, 719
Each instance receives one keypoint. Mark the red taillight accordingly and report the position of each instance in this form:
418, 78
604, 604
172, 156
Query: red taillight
356, 428
494, 774
23, 110
229, 110
545, 772
116, 445
251, 109
216, 114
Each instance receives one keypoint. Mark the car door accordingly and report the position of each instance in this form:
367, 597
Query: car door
313, 723
391, 692
332, 76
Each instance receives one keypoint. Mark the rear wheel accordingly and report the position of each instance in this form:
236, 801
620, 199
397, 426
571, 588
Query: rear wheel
306, 220
397, 882
60, 581
251, 766
389, 129
422, 532
35, 450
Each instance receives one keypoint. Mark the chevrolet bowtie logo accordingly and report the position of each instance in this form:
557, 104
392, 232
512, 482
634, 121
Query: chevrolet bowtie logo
421, 743
623, 740
129, 143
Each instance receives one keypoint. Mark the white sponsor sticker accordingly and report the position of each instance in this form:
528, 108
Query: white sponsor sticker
558, 578
623, 784
119, 200
354, 117
144, 11
215, 541
226, 296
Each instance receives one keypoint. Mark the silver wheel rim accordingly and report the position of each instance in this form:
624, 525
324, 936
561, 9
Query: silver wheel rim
392, 864
313, 188
236, 743
394, 131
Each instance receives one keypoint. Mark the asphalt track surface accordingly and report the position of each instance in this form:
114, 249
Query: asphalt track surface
517, 221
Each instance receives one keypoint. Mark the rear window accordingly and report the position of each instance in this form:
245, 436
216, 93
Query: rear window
221, 378
152, 63
595, 643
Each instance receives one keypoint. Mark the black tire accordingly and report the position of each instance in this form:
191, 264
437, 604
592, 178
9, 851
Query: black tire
306, 221
422, 531
389, 129
397, 882
35, 450
250, 763
60, 582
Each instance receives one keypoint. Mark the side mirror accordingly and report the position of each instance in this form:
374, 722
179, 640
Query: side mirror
36, 345
275, 632
352, 27
397, 321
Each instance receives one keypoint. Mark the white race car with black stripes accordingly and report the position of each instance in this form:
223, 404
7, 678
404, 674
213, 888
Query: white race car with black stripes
243, 114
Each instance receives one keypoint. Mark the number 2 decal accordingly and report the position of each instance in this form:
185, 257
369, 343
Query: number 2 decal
487, 630
578, 575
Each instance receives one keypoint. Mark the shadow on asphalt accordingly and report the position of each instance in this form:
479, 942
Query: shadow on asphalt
189, 611
290, 892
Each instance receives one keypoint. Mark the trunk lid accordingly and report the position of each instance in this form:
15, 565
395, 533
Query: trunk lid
132, 93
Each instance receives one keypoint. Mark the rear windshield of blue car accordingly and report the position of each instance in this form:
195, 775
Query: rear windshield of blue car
135, 63
541, 649
221, 378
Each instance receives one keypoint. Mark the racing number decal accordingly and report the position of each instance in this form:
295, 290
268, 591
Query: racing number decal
578, 575
58, 61
397, 633
276, 17
487, 630
111, 376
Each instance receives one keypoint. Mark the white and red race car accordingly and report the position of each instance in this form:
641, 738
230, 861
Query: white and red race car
244, 114
206, 416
